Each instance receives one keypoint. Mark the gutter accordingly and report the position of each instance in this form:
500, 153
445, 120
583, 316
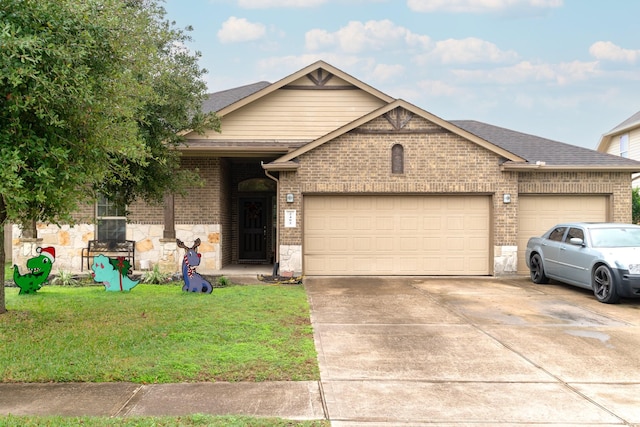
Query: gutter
281, 166
542, 167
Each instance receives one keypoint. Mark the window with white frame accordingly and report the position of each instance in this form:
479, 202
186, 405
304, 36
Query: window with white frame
624, 145
112, 222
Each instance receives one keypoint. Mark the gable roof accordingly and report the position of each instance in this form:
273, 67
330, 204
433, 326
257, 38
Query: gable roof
629, 124
218, 100
520, 150
542, 152
285, 160
240, 102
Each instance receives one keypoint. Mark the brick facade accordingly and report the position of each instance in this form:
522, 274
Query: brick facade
436, 162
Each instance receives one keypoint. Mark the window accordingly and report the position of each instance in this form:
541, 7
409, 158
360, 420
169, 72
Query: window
257, 185
397, 159
112, 223
575, 233
624, 145
557, 234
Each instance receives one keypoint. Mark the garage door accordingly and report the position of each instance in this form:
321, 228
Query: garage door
396, 235
537, 214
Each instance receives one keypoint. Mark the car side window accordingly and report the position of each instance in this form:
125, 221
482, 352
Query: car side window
575, 232
557, 234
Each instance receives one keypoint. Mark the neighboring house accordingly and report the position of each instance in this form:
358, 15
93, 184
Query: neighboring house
624, 140
326, 175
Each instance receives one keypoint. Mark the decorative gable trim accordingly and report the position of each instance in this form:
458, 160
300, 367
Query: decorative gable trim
319, 80
398, 117
319, 68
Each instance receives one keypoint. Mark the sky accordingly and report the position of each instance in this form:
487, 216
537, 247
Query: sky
567, 70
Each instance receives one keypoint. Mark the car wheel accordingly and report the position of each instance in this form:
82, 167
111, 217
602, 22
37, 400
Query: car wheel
604, 287
537, 270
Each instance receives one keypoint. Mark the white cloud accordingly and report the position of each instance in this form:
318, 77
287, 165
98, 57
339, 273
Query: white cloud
611, 52
385, 72
526, 72
368, 36
438, 88
240, 30
264, 4
478, 6
465, 51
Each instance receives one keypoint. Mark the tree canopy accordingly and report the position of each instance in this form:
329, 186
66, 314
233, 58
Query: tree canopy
94, 95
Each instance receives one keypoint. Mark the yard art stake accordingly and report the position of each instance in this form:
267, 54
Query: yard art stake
112, 273
39, 268
193, 282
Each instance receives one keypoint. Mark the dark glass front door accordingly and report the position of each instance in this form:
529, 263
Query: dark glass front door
253, 229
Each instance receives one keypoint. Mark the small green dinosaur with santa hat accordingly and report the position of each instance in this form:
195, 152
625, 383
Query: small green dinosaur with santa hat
39, 268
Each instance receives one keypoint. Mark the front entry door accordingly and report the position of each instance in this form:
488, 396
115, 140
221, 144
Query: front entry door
253, 229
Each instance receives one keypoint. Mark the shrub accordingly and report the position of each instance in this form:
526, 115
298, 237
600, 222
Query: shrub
635, 205
65, 278
155, 276
223, 282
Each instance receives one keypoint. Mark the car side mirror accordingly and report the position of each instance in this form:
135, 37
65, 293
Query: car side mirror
576, 241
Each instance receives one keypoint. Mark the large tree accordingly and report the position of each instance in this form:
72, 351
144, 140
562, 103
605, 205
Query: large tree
94, 95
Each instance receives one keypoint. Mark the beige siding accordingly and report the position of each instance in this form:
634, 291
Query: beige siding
634, 144
614, 146
289, 114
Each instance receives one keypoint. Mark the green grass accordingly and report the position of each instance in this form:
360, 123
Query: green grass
188, 421
157, 334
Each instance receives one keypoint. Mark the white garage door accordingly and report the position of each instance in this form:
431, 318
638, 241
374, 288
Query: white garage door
537, 214
396, 235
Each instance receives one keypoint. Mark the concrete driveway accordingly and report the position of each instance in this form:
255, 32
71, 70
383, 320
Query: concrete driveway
474, 351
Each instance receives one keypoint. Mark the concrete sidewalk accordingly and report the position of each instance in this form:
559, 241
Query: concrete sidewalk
290, 400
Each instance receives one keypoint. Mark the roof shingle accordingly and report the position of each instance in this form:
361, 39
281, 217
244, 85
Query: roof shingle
537, 149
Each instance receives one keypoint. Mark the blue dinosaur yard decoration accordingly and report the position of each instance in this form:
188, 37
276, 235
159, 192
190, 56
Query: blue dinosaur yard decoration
39, 268
193, 282
112, 273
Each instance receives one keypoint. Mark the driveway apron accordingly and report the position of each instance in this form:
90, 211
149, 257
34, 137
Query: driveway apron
473, 351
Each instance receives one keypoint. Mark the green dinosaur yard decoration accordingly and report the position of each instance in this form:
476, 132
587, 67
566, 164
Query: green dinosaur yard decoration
39, 269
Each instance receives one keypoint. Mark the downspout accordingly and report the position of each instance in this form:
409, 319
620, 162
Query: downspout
276, 264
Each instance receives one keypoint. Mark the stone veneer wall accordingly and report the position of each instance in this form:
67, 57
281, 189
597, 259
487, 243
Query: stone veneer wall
151, 249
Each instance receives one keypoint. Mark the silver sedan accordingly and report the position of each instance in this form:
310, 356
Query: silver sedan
604, 257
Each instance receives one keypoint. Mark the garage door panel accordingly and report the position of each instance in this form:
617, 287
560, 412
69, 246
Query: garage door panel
362, 224
409, 244
537, 214
412, 235
432, 222
455, 244
477, 244
363, 244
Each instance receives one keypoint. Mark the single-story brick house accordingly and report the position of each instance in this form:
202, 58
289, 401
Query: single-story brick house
326, 175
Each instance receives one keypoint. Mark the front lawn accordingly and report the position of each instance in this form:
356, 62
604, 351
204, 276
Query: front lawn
157, 334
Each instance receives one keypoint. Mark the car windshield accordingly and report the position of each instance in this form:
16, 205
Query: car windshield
615, 237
